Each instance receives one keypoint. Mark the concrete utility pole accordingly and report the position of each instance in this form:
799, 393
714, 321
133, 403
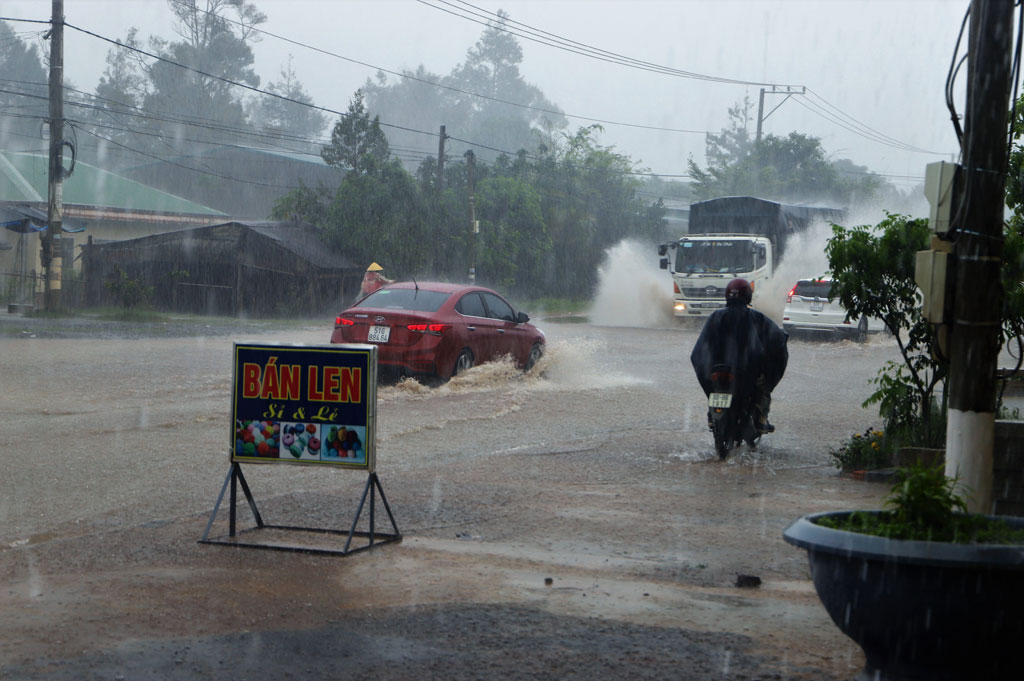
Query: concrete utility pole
51, 256
978, 246
474, 226
440, 161
787, 90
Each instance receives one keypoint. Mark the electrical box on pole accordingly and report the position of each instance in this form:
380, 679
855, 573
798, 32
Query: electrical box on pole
941, 188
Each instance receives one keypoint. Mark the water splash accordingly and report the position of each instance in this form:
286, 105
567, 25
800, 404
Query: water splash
632, 291
804, 258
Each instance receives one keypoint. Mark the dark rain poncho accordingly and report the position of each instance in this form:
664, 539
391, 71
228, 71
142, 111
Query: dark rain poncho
744, 339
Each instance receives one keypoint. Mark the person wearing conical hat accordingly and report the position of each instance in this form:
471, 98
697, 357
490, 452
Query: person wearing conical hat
374, 279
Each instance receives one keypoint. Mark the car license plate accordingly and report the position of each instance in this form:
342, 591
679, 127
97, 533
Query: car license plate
817, 305
719, 400
379, 334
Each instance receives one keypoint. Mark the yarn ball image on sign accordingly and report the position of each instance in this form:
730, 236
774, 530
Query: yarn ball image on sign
343, 443
300, 441
257, 439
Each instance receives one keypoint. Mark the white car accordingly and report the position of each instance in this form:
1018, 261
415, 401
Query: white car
808, 308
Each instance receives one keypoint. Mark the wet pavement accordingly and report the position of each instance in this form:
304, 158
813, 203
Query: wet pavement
572, 522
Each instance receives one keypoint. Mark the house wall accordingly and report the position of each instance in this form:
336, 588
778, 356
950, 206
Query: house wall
21, 267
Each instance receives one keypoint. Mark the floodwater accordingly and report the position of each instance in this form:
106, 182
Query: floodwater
595, 470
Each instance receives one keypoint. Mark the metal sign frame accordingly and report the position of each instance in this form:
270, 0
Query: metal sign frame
304, 405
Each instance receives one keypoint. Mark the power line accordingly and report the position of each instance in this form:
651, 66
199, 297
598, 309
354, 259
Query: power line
408, 76
228, 81
581, 48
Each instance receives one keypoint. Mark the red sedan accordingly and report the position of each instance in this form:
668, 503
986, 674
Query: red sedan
438, 329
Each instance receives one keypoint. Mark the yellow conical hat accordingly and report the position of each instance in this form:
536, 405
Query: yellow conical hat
374, 267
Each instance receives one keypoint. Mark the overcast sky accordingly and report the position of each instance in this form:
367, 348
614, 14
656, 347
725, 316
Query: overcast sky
882, 63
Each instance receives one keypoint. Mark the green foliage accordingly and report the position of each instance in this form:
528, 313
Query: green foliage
924, 500
212, 44
1013, 246
476, 102
791, 168
873, 276
358, 145
132, 292
22, 64
281, 115
862, 452
924, 505
544, 223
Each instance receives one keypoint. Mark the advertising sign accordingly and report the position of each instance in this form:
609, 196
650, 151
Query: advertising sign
304, 404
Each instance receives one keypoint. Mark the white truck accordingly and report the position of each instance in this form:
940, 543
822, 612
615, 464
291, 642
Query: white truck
729, 237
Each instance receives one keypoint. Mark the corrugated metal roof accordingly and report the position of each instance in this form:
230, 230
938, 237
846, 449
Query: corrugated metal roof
302, 239
23, 178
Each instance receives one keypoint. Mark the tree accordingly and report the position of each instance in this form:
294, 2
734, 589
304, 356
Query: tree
514, 240
793, 168
358, 145
483, 99
280, 115
23, 105
119, 94
491, 69
1013, 246
873, 271
211, 44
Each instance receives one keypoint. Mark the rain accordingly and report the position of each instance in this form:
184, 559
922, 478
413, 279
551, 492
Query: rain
228, 171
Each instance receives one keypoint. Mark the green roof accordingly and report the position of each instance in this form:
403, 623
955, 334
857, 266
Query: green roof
23, 179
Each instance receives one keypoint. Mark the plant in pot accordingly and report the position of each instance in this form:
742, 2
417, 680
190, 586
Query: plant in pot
927, 590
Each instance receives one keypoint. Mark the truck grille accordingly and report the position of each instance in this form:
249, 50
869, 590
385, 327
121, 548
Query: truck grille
703, 292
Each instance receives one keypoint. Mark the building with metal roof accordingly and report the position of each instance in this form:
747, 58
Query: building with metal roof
244, 182
98, 205
256, 269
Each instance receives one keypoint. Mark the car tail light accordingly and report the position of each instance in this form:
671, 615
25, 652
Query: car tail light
721, 376
675, 287
341, 321
433, 329
789, 298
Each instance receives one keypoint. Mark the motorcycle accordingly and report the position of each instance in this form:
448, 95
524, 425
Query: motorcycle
730, 413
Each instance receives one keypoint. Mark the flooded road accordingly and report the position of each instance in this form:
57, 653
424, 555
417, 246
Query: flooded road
572, 522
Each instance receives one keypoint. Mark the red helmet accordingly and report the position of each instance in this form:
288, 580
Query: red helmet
739, 289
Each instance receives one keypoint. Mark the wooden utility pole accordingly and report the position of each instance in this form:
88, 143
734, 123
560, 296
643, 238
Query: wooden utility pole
51, 256
474, 226
978, 246
440, 160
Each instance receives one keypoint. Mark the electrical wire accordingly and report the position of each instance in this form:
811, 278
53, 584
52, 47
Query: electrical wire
954, 67
585, 50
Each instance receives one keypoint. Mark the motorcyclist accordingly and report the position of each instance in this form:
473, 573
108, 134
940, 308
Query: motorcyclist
746, 339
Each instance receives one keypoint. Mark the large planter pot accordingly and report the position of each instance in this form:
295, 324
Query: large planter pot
920, 610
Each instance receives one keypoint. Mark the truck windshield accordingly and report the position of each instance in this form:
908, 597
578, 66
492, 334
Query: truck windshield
720, 255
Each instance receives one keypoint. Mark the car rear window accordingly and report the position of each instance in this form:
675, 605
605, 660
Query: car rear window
813, 288
418, 300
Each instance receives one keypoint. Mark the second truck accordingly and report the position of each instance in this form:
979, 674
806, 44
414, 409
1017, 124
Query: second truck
733, 236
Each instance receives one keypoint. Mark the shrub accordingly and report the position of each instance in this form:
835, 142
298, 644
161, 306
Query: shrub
132, 292
862, 452
924, 506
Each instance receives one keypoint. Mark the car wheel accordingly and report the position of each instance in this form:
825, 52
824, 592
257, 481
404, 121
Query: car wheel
463, 362
536, 352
